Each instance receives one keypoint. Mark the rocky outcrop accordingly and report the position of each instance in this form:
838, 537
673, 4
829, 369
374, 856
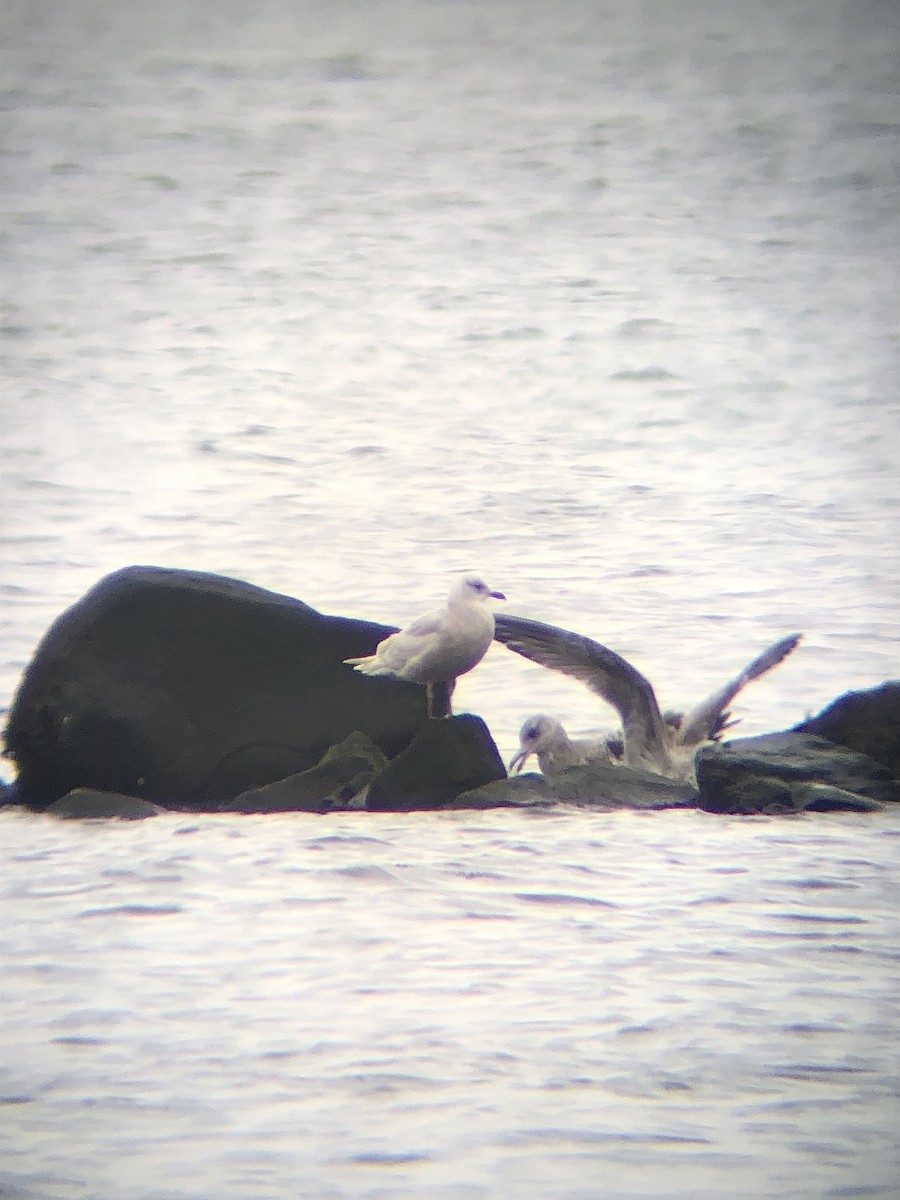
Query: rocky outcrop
789, 773
181, 690
867, 721
600, 785
331, 785
444, 759
188, 689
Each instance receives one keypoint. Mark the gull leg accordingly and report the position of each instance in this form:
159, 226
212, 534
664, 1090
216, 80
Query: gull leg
437, 699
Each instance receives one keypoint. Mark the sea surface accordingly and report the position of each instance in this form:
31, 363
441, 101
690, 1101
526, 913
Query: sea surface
599, 299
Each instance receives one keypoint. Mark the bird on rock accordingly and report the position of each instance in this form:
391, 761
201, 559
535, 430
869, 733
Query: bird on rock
439, 647
546, 738
653, 741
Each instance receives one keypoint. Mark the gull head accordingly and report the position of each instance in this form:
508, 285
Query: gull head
539, 732
472, 588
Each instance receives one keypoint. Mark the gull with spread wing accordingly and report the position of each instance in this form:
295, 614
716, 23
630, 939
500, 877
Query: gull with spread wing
664, 744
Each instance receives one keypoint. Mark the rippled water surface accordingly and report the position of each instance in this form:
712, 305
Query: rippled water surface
600, 299
566, 1004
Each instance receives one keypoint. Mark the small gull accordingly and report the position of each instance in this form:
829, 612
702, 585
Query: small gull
440, 647
664, 744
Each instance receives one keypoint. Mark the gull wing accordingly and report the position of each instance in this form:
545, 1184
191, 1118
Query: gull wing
710, 717
606, 673
423, 626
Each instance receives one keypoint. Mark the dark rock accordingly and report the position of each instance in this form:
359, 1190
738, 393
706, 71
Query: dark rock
331, 784
790, 772
188, 689
601, 785
88, 804
867, 721
518, 791
445, 758
821, 797
608, 786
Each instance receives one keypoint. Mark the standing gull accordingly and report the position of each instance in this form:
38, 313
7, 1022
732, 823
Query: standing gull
651, 741
440, 647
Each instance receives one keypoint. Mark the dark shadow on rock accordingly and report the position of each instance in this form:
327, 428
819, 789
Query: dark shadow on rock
86, 804
867, 721
444, 759
188, 689
330, 785
790, 772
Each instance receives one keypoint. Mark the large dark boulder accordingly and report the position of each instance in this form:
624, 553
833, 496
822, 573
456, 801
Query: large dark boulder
788, 773
867, 721
445, 758
187, 689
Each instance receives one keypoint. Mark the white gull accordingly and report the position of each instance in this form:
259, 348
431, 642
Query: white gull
651, 741
546, 738
441, 646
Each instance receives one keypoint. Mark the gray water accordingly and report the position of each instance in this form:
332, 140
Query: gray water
598, 299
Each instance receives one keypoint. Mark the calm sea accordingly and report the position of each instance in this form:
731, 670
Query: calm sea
599, 299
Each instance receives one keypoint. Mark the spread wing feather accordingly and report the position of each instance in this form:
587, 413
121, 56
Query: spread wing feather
711, 717
606, 673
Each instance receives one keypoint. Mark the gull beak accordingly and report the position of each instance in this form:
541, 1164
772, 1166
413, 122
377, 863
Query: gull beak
497, 595
518, 761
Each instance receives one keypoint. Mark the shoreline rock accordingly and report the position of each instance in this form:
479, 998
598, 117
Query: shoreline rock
87, 804
866, 721
444, 759
187, 689
331, 785
791, 772
599, 785
168, 690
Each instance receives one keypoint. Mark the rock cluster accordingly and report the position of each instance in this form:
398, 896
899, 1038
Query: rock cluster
165, 689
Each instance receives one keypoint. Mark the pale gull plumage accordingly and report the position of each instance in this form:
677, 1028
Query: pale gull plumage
440, 647
546, 738
651, 741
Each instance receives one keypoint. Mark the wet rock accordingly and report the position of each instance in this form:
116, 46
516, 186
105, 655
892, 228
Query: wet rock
188, 689
609, 786
331, 784
518, 791
867, 721
601, 785
790, 772
444, 759
87, 804
821, 797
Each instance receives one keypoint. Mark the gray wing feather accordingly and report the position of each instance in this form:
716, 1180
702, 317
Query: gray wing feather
710, 717
606, 673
